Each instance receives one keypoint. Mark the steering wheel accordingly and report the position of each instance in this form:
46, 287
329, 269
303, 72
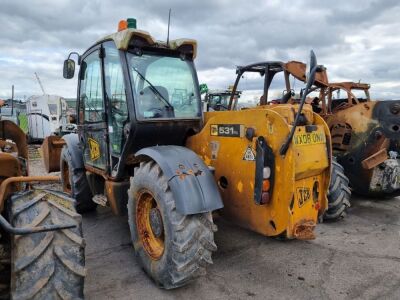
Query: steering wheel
119, 111
158, 112
218, 107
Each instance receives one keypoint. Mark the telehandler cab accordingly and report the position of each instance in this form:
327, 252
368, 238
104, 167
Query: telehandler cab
144, 143
41, 244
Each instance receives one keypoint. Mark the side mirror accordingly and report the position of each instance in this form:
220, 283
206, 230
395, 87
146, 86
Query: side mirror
69, 69
311, 65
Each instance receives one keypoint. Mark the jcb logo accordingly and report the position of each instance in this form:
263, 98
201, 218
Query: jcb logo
303, 195
94, 149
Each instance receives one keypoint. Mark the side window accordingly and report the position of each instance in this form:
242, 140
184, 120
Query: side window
116, 97
91, 94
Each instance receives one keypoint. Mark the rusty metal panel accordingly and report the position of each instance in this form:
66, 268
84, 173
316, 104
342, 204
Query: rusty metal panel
375, 159
51, 148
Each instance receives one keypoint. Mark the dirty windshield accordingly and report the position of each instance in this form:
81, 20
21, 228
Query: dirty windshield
164, 87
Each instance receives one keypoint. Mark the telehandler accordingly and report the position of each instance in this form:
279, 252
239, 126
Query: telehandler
217, 100
144, 144
41, 244
365, 137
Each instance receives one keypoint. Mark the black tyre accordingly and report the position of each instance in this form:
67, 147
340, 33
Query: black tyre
172, 248
339, 194
46, 265
4, 268
75, 183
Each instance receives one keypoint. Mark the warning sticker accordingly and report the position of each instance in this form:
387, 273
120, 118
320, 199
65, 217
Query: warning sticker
94, 148
249, 154
214, 147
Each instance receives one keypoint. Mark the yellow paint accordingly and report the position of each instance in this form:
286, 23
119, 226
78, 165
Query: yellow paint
240, 187
301, 167
94, 149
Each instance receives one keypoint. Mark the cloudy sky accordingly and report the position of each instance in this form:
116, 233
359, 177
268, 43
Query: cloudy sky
355, 40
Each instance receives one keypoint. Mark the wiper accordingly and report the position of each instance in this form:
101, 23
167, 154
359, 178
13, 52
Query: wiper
154, 89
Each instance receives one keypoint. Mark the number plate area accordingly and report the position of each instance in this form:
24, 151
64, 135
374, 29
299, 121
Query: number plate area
309, 138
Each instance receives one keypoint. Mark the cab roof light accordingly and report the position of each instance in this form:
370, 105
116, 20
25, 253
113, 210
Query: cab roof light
122, 25
128, 23
131, 23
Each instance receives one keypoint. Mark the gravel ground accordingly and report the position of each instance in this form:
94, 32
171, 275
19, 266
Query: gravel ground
356, 258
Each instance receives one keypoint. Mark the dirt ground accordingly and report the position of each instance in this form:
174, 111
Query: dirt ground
356, 258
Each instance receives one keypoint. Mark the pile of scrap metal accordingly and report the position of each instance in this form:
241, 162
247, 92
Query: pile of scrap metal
365, 132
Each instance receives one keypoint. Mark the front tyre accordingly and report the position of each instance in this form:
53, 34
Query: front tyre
75, 183
172, 248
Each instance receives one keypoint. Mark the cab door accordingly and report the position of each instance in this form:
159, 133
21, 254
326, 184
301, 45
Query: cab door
92, 119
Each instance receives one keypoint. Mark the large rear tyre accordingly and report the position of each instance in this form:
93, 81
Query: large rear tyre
339, 194
75, 183
46, 265
4, 268
172, 248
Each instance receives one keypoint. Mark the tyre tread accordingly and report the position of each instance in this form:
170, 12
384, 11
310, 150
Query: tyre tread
46, 264
338, 195
193, 240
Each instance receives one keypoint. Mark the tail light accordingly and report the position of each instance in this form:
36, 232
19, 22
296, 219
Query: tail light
265, 166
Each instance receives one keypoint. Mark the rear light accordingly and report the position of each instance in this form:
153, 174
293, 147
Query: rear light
267, 172
266, 185
265, 198
264, 177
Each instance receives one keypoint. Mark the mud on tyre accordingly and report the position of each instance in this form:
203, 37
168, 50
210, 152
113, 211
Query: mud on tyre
339, 194
46, 265
172, 248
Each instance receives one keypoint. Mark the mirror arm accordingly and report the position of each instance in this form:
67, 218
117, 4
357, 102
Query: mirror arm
78, 57
285, 145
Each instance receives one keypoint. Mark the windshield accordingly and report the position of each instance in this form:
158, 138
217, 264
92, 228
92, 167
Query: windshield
164, 87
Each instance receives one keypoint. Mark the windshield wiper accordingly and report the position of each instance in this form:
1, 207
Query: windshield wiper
154, 89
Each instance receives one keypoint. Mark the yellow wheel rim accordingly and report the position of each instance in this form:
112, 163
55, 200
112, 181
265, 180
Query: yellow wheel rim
152, 241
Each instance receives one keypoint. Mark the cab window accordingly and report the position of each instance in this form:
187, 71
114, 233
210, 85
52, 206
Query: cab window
115, 97
91, 94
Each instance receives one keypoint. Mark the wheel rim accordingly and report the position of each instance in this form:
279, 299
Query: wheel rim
150, 229
66, 184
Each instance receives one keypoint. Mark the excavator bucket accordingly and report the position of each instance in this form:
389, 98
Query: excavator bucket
51, 149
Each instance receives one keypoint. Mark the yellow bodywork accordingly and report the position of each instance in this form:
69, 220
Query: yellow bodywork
305, 167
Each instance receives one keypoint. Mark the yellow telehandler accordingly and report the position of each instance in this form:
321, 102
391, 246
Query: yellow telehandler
145, 148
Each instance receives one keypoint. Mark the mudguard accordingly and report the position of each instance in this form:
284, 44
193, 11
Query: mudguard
72, 141
191, 182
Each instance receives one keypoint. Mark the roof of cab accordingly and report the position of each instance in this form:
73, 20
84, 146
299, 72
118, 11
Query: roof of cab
122, 39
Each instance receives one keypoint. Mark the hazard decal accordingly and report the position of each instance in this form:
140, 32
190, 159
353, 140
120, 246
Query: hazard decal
249, 154
94, 149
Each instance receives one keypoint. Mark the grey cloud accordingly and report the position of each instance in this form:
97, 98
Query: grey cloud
42, 32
